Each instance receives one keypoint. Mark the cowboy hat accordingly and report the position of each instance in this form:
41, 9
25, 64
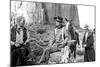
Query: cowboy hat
58, 19
86, 26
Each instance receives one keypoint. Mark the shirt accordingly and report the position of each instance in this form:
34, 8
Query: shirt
86, 35
67, 26
19, 36
58, 33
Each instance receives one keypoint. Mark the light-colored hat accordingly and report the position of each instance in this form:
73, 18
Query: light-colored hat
86, 26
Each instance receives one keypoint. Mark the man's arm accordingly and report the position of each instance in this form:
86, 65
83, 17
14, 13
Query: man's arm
12, 43
51, 42
65, 38
84, 40
84, 43
28, 36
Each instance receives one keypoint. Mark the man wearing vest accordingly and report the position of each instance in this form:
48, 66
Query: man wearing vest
19, 35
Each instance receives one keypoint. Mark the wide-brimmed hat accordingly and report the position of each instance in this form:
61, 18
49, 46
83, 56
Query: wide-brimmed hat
58, 19
86, 26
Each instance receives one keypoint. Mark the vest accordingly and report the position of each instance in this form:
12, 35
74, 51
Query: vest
13, 34
24, 34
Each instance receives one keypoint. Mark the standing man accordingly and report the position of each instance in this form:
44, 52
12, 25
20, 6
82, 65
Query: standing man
88, 42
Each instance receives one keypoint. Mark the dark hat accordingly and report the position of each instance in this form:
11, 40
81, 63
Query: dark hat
59, 19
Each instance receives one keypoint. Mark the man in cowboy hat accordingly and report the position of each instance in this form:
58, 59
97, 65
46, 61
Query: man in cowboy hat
60, 30
55, 45
59, 22
52, 47
59, 43
88, 41
62, 37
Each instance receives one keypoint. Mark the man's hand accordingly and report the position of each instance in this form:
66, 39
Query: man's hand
84, 45
79, 46
12, 43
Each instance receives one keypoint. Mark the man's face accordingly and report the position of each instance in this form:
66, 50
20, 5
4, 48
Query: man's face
57, 23
22, 23
86, 29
